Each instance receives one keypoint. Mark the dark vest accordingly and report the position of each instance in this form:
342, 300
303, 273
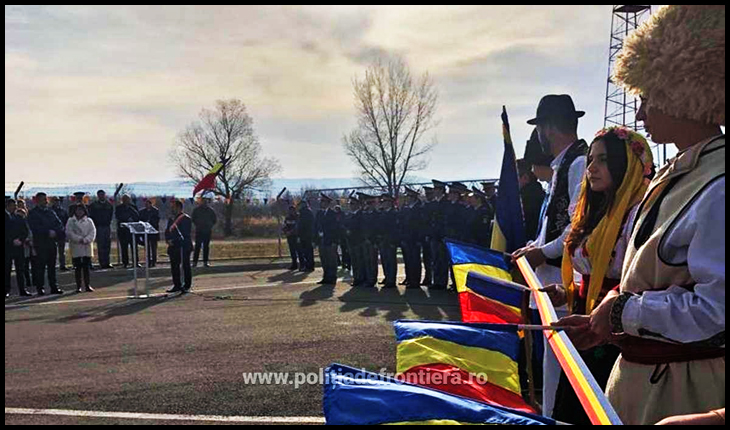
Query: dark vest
557, 211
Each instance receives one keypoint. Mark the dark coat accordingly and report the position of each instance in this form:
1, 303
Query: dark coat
532, 196
305, 225
181, 236
151, 216
42, 222
101, 213
204, 218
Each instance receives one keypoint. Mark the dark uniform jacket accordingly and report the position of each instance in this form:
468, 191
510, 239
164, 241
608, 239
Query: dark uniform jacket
101, 213
42, 222
532, 196
15, 228
181, 236
305, 225
151, 216
126, 213
290, 225
327, 227
204, 218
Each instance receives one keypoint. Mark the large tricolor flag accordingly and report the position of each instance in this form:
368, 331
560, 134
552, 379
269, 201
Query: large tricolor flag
477, 361
508, 233
355, 397
208, 181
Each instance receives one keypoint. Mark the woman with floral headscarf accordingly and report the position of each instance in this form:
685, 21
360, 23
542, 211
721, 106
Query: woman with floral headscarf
619, 164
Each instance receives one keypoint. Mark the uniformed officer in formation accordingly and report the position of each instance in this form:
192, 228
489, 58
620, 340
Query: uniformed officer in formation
388, 239
374, 228
327, 236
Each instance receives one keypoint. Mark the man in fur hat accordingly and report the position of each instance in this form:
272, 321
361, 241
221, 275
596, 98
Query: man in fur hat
669, 316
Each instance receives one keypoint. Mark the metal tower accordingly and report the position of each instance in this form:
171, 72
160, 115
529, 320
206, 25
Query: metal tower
621, 108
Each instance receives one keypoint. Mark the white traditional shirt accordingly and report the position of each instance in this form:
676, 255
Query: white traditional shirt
697, 238
546, 273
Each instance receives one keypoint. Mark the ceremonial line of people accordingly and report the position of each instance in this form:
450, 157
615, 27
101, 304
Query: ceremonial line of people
35, 240
375, 227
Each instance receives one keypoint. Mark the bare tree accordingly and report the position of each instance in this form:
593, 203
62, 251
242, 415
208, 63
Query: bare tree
394, 112
225, 133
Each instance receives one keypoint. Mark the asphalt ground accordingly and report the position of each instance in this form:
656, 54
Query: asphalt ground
173, 355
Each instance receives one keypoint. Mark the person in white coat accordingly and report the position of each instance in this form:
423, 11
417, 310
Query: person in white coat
81, 232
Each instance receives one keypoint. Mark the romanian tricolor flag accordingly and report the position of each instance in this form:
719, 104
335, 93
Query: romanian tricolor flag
591, 397
208, 182
477, 361
509, 228
491, 300
355, 397
486, 293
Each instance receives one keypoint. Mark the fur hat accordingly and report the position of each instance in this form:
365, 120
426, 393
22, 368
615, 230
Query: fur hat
676, 59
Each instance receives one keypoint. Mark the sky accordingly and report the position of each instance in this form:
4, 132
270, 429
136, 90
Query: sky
101, 93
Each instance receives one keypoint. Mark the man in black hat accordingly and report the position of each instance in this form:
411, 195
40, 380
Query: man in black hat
305, 235
556, 124
489, 188
327, 232
63, 216
101, 212
557, 128
125, 213
532, 196
204, 219
47, 231
151, 215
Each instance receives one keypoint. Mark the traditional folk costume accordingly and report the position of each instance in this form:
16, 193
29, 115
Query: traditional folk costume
671, 310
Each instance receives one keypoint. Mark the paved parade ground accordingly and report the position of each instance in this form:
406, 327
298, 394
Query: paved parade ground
103, 358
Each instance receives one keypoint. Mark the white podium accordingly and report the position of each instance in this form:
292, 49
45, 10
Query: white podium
141, 229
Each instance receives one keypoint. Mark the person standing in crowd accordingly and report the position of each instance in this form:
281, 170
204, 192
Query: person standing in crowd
425, 236
354, 232
151, 215
388, 241
439, 212
536, 156
490, 190
668, 316
305, 234
204, 219
78, 200
126, 213
327, 230
101, 212
178, 236
62, 215
411, 226
480, 225
47, 230
28, 251
81, 233
532, 196
369, 246
290, 231
557, 128
345, 262
619, 162
16, 233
